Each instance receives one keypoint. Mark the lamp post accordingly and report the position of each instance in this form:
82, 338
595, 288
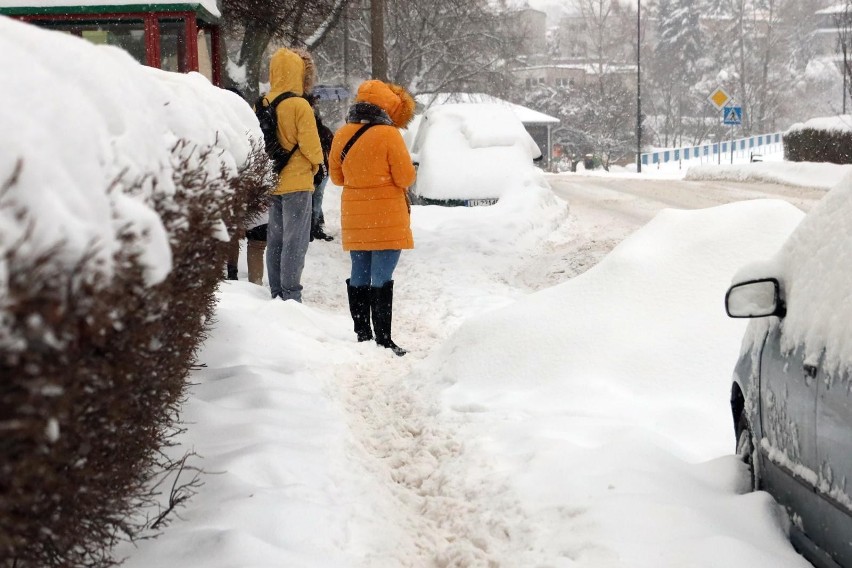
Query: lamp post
845, 73
377, 40
638, 86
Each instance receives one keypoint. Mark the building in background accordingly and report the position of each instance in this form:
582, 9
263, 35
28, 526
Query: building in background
528, 29
579, 49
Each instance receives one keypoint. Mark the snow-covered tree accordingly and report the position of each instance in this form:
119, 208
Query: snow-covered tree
753, 54
676, 68
251, 25
597, 118
607, 26
432, 46
843, 23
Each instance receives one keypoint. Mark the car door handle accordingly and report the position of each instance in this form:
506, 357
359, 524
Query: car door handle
810, 371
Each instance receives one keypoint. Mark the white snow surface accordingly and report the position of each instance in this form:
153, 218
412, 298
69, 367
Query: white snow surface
583, 425
802, 174
77, 117
586, 424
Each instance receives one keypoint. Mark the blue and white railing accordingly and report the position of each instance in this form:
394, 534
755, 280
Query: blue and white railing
710, 153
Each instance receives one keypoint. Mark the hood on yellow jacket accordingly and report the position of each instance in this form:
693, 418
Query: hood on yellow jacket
392, 99
291, 70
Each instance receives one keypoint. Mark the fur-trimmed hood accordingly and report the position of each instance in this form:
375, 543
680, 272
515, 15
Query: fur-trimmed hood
392, 99
291, 70
368, 113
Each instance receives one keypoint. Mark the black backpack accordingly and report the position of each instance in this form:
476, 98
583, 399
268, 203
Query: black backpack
267, 116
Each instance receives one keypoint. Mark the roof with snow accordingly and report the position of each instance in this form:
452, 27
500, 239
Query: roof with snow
588, 68
524, 114
835, 9
205, 8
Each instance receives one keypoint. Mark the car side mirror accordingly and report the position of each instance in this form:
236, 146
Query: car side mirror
755, 299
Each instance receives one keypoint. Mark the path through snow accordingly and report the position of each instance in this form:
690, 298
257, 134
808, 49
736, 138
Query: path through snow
455, 518
332, 453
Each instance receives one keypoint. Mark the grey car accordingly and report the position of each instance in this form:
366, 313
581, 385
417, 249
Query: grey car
793, 422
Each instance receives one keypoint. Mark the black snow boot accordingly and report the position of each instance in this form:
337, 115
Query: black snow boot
359, 307
381, 302
318, 233
232, 272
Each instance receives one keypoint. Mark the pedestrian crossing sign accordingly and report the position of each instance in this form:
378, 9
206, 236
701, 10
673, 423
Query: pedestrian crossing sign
732, 115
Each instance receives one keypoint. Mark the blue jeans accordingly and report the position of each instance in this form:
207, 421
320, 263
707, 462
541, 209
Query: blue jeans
373, 267
316, 207
287, 240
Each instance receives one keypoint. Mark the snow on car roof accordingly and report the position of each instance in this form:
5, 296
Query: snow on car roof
524, 114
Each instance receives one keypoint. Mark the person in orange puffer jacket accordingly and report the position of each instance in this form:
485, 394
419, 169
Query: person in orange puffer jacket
375, 171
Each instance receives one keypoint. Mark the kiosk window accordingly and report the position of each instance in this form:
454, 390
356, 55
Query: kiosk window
126, 34
173, 46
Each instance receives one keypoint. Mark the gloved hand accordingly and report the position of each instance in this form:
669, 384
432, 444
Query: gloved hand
322, 173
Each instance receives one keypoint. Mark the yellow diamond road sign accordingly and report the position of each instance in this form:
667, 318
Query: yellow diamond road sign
719, 98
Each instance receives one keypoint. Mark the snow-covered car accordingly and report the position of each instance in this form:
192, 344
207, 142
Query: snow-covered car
470, 153
792, 386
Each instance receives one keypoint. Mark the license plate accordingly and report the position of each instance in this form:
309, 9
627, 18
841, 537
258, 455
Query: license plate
480, 202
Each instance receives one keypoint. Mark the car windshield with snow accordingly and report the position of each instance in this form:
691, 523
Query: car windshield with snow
470, 154
792, 389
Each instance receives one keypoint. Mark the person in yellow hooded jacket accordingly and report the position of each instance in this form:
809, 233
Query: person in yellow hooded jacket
288, 233
369, 160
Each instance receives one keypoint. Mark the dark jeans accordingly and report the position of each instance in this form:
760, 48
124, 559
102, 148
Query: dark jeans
316, 207
373, 267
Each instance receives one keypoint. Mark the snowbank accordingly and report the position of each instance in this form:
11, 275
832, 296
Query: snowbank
83, 123
667, 279
803, 174
594, 396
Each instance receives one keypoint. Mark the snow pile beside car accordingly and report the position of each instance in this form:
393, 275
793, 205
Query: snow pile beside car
595, 395
670, 276
473, 151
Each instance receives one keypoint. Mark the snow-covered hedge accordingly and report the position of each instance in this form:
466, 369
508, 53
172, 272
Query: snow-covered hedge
824, 139
118, 186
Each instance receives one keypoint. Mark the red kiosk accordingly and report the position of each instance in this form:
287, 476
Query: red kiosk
174, 36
